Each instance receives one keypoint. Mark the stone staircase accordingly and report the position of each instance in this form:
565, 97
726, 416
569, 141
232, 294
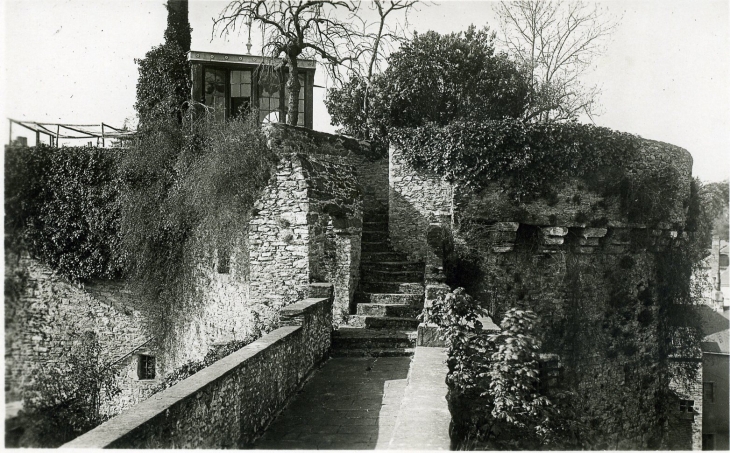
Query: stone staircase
389, 298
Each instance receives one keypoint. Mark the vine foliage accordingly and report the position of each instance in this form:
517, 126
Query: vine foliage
187, 192
62, 206
494, 394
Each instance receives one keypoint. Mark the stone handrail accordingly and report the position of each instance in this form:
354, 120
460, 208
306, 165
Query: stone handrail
228, 404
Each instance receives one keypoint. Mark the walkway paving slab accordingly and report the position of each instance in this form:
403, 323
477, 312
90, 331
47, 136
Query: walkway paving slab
424, 418
351, 403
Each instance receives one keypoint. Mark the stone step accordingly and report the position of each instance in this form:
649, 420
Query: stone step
374, 236
414, 300
392, 276
360, 338
372, 225
375, 216
369, 257
384, 322
393, 266
387, 310
392, 287
373, 352
379, 246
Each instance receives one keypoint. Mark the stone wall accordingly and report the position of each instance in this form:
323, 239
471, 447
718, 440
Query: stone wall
572, 260
371, 173
278, 235
417, 199
685, 429
306, 228
220, 309
230, 403
335, 225
47, 321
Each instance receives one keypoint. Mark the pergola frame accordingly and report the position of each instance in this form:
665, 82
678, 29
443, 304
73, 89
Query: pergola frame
101, 131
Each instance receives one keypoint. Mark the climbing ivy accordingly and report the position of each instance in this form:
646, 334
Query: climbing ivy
525, 158
163, 87
61, 206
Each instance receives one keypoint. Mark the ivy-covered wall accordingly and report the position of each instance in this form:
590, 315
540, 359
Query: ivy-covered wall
589, 256
419, 197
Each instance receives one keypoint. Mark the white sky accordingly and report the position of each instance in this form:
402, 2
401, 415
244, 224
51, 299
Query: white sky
665, 76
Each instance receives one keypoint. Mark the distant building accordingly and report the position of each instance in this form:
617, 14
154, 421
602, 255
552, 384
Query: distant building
715, 370
230, 84
716, 265
20, 141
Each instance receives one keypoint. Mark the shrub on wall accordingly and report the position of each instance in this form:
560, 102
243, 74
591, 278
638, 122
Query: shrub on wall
61, 205
187, 192
494, 394
528, 159
432, 78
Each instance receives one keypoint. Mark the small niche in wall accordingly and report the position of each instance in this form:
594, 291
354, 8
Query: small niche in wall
145, 367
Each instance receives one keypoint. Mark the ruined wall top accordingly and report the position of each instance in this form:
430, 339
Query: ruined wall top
285, 139
578, 203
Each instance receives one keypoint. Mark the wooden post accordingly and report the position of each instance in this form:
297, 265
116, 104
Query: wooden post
37, 137
58, 133
10, 132
103, 142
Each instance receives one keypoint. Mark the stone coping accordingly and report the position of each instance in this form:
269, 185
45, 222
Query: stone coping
424, 418
116, 428
293, 314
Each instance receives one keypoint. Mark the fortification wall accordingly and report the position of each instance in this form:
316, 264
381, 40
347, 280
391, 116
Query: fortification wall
576, 260
418, 199
228, 404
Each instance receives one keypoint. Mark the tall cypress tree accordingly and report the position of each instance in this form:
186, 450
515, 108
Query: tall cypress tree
163, 87
178, 26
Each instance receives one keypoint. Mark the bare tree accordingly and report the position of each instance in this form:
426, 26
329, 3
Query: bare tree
322, 29
556, 42
380, 37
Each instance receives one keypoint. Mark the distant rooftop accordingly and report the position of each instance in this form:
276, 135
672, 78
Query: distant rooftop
206, 57
716, 329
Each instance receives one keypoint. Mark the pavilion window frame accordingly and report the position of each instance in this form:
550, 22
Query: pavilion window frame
256, 74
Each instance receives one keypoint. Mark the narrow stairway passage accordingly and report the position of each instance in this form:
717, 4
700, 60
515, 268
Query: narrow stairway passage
351, 403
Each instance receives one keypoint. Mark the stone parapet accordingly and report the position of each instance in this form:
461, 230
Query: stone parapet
228, 404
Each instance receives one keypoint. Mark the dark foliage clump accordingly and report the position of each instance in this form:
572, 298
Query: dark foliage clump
432, 78
62, 206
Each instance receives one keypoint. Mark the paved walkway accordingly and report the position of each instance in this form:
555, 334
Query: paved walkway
350, 403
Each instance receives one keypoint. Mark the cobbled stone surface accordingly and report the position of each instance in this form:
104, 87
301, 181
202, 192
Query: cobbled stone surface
351, 403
